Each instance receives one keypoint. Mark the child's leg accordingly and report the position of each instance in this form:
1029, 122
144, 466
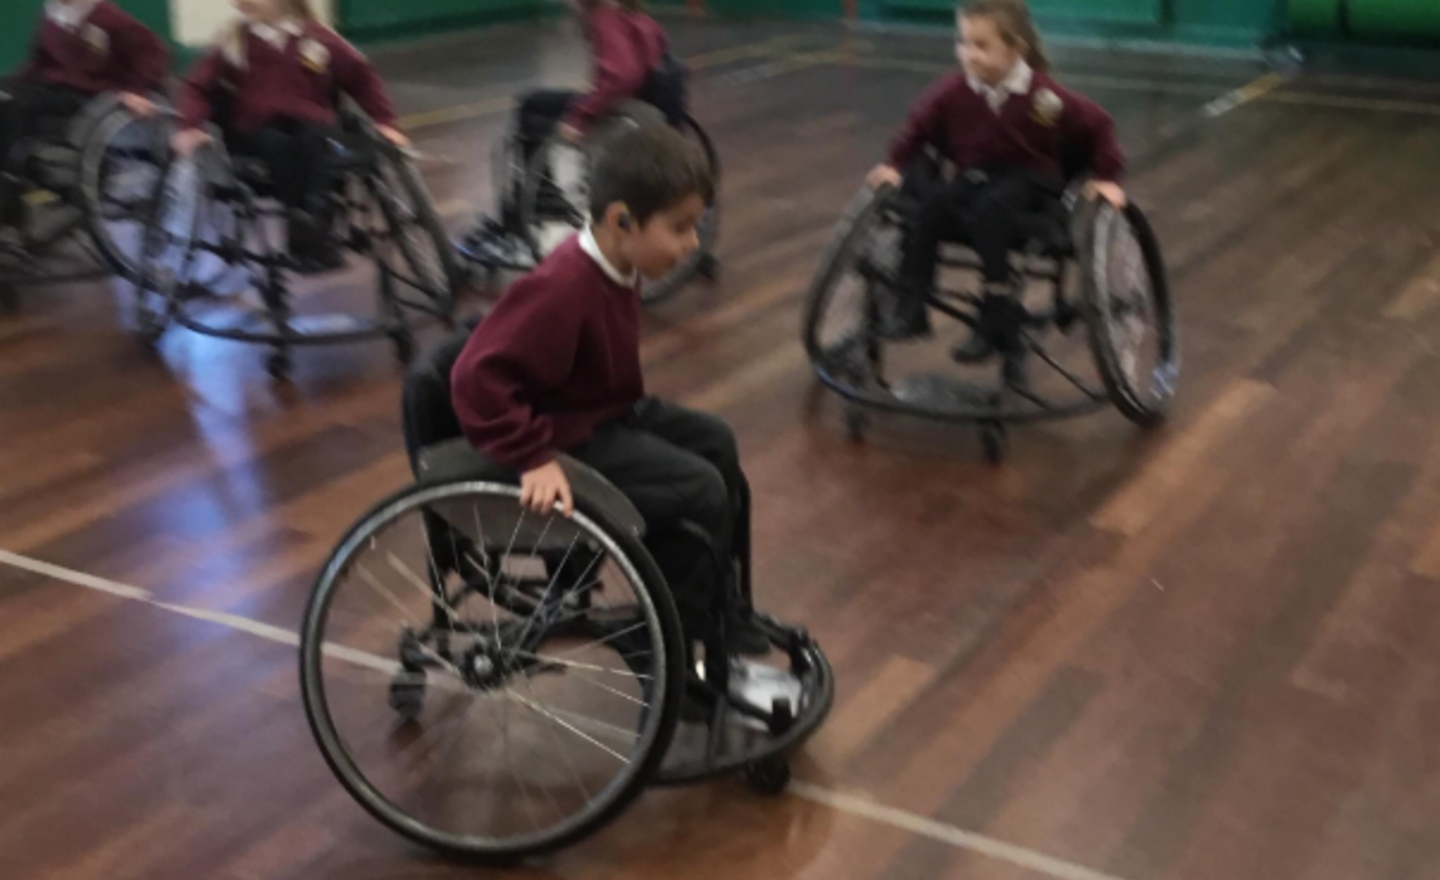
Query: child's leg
535, 121
995, 225
941, 217
667, 485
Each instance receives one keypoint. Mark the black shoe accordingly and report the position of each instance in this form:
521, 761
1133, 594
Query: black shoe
312, 251
975, 350
1015, 374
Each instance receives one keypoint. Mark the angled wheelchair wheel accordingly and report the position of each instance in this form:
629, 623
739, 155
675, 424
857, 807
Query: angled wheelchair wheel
121, 160
1133, 329
429, 263
485, 681
840, 307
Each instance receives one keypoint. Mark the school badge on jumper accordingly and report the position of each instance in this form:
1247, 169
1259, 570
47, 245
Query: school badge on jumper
96, 38
315, 55
1047, 108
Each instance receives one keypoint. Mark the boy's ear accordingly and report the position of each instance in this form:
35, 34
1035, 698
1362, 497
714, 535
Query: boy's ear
617, 216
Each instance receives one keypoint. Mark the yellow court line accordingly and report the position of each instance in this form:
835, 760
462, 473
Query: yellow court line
501, 104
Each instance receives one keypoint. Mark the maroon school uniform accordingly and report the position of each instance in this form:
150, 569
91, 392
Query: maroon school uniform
1048, 130
106, 51
299, 82
557, 357
625, 47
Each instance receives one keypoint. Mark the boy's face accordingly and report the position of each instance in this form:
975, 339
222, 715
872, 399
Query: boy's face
983, 51
665, 240
257, 10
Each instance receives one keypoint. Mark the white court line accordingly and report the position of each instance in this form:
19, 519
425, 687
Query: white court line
859, 807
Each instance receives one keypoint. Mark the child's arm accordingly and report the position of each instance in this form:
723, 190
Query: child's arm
195, 107
921, 128
522, 350
359, 79
146, 61
1091, 134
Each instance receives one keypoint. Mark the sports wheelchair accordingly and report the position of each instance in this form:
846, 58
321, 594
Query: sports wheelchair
497, 684
83, 187
1123, 301
213, 259
547, 199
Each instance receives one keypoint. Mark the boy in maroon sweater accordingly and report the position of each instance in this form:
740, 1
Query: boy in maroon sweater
280, 72
1015, 137
81, 48
555, 367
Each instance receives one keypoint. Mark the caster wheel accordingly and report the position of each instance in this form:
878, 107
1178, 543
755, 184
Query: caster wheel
278, 366
782, 716
857, 424
708, 268
407, 697
769, 776
405, 348
995, 442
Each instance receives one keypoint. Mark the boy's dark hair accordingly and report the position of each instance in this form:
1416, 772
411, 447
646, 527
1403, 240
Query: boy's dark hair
651, 169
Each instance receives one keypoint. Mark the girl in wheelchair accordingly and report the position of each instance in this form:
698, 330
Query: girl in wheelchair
273, 85
1015, 138
555, 368
630, 56
81, 49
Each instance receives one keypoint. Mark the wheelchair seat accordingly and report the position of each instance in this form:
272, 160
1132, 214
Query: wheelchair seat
439, 453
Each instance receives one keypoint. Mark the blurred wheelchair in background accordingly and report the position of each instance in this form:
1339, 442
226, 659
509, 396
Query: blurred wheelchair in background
214, 259
81, 191
1086, 265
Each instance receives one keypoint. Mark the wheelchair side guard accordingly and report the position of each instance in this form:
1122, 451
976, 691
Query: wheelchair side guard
457, 461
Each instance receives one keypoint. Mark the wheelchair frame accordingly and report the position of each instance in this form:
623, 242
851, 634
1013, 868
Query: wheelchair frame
74, 169
855, 368
225, 185
447, 473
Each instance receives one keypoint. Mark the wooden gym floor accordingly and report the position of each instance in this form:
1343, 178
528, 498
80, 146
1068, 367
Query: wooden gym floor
1210, 652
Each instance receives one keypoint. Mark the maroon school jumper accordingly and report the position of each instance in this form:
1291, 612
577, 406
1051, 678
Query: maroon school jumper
109, 51
626, 47
299, 82
1049, 131
558, 356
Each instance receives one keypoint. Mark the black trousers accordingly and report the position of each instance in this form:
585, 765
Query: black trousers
298, 157
34, 110
993, 214
678, 465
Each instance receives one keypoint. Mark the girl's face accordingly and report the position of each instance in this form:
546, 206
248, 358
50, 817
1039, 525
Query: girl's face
263, 11
984, 52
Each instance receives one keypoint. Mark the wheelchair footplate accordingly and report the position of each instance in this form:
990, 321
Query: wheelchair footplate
942, 393
492, 247
759, 710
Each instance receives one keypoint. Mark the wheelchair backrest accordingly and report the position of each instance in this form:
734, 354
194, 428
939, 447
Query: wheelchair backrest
427, 415
666, 88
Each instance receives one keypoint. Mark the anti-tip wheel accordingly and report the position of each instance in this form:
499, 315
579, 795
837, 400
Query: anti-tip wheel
995, 442
278, 366
768, 776
857, 424
407, 697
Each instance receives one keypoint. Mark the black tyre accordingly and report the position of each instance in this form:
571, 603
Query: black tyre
543, 717
1134, 332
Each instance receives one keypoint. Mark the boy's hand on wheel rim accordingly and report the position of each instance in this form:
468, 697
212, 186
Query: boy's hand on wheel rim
541, 487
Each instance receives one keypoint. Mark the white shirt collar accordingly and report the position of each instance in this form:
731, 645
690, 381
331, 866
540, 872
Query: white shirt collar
70, 15
1016, 82
592, 248
277, 35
